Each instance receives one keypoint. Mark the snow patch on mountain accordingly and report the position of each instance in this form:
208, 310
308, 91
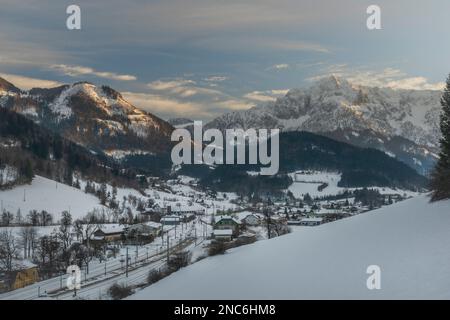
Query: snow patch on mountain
120, 154
60, 107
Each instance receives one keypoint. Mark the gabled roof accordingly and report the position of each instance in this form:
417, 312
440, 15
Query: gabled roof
152, 224
18, 265
219, 218
111, 228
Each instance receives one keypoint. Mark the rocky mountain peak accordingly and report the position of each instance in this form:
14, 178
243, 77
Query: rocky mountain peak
351, 112
97, 117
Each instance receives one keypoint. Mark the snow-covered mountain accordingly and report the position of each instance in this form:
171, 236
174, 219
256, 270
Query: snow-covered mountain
403, 123
181, 122
98, 118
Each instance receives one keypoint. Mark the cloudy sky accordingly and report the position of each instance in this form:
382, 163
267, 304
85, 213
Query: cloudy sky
200, 58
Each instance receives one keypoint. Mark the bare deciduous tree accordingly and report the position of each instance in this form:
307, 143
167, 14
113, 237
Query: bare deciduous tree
8, 250
28, 236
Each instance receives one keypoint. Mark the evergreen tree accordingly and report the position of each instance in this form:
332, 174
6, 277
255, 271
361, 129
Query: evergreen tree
440, 178
27, 170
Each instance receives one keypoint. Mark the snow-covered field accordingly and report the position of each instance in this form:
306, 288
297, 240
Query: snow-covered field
309, 182
409, 241
45, 194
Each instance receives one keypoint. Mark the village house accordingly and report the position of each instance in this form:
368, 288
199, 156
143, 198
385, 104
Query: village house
184, 209
251, 220
144, 231
152, 214
23, 274
109, 233
311, 221
227, 222
170, 220
223, 234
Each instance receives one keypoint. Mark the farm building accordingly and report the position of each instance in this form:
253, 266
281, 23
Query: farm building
311, 221
23, 274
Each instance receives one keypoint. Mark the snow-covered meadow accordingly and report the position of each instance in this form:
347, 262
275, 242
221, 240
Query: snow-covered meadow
309, 182
46, 194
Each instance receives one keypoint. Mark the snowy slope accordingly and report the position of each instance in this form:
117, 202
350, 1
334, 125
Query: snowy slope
45, 194
410, 241
309, 182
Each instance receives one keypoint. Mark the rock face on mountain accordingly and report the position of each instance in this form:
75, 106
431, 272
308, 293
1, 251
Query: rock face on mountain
402, 123
98, 118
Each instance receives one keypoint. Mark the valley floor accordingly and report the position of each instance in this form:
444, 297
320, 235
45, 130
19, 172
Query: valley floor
409, 241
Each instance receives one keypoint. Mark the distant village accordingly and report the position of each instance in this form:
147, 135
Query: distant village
171, 212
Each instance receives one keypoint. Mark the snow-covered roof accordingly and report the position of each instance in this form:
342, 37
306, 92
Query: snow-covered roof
153, 224
311, 220
112, 228
22, 264
244, 214
223, 232
170, 218
218, 218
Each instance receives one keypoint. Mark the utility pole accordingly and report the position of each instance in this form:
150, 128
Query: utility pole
168, 248
126, 272
137, 252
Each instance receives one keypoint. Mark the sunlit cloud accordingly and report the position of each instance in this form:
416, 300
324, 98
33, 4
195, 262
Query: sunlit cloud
168, 85
162, 105
265, 96
77, 71
28, 83
235, 105
386, 78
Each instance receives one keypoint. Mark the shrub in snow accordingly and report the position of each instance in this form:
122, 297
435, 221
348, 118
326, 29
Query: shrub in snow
119, 291
179, 260
217, 247
155, 276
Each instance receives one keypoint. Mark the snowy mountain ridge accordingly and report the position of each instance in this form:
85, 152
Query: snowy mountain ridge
83, 112
334, 103
346, 111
